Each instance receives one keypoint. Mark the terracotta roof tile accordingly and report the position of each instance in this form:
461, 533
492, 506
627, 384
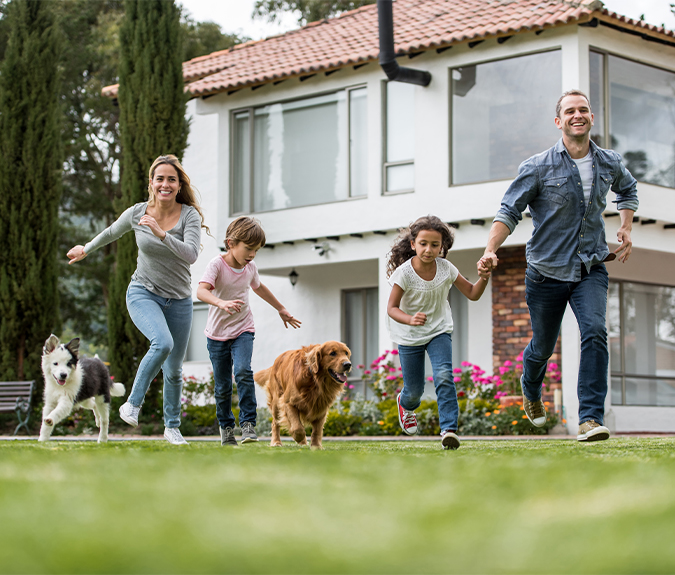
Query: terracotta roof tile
352, 38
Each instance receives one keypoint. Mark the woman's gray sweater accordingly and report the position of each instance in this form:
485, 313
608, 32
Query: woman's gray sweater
163, 266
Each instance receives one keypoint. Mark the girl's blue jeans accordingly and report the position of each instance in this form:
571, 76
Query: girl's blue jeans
412, 366
226, 357
166, 323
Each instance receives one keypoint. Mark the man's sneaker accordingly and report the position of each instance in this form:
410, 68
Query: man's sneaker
592, 431
449, 440
535, 411
174, 436
406, 419
248, 434
227, 436
129, 414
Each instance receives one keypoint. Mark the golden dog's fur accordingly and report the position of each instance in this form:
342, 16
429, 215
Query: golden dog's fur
301, 386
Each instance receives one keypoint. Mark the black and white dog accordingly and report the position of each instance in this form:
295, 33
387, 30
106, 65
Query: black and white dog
73, 382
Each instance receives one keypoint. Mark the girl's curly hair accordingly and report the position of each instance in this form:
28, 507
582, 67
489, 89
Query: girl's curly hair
402, 249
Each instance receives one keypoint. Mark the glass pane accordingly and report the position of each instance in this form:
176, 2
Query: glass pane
656, 392
401, 178
400, 121
354, 318
642, 119
460, 319
616, 391
597, 96
358, 142
503, 113
300, 152
614, 321
372, 325
649, 331
196, 350
241, 168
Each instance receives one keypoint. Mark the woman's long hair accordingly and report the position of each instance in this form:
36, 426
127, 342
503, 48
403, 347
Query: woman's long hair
402, 249
186, 194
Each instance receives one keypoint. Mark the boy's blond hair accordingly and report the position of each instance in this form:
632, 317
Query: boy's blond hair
245, 229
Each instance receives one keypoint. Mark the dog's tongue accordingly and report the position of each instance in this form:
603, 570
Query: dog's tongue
342, 377
61, 381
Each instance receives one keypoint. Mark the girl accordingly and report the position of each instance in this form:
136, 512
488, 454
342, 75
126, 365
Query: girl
159, 298
230, 330
420, 319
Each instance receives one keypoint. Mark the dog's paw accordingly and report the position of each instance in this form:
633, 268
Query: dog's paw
48, 421
316, 447
275, 444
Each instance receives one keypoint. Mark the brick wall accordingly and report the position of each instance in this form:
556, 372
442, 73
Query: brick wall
510, 317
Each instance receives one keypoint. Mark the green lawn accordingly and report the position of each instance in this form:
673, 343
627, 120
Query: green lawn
540, 506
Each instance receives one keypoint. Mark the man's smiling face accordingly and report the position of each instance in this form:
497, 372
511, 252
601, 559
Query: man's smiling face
575, 118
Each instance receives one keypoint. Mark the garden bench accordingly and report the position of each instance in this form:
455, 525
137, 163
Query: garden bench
16, 396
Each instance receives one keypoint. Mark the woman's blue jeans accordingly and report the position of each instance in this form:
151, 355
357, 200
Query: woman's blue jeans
412, 366
166, 323
226, 356
547, 299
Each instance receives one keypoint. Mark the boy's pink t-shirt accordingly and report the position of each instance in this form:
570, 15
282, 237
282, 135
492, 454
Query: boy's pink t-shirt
229, 285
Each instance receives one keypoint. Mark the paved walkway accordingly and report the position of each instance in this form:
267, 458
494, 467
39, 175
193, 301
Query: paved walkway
215, 438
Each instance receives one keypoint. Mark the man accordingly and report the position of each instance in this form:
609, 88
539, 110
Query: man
566, 190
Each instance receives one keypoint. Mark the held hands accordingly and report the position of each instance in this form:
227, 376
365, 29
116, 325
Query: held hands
486, 264
625, 244
149, 221
231, 306
76, 254
288, 319
418, 319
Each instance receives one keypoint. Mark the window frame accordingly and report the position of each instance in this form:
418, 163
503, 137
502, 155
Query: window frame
385, 163
251, 131
622, 375
451, 184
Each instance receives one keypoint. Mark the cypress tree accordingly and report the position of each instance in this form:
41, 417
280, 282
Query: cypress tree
152, 122
30, 175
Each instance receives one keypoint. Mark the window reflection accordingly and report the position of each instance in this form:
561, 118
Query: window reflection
502, 113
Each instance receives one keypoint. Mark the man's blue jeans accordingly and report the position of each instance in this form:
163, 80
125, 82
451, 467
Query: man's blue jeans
166, 323
226, 355
412, 366
547, 299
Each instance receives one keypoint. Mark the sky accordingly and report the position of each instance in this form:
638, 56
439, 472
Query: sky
235, 15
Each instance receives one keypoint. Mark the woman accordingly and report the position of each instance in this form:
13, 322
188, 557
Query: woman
159, 298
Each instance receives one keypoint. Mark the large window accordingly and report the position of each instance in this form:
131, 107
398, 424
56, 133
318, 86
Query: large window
634, 109
642, 344
399, 153
360, 332
502, 113
299, 153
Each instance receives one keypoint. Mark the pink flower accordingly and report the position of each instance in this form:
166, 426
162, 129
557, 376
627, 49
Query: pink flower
384, 394
520, 357
185, 414
394, 352
500, 394
503, 370
391, 377
508, 363
367, 372
457, 379
351, 387
457, 370
392, 369
466, 364
430, 378
553, 366
360, 366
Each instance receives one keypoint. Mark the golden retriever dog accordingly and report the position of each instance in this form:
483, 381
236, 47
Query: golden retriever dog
301, 386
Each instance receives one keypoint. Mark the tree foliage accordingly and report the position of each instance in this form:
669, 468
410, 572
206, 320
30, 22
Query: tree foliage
152, 122
30, 185
308, 10
206, 37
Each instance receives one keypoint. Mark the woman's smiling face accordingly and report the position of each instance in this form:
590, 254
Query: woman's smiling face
165, 183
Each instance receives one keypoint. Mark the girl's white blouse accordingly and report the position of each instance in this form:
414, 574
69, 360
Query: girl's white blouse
429, 297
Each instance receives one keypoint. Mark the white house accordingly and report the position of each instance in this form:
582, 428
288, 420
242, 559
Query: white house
304, 131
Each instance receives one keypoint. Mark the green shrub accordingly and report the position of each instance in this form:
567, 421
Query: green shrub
341, 424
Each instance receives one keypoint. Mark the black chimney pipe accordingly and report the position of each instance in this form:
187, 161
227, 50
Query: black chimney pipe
395, 73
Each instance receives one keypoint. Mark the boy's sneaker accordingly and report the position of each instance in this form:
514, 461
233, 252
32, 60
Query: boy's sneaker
535, 411
227, 436
248, 434
592, 431
449, 440
174, 436
129, 414
407, 419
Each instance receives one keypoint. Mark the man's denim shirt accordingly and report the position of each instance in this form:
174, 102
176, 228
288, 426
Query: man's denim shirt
567, 230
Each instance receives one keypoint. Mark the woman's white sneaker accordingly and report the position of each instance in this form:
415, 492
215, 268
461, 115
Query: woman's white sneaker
129, 414
174, 436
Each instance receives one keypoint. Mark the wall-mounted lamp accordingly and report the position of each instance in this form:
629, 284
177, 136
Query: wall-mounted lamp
293, 276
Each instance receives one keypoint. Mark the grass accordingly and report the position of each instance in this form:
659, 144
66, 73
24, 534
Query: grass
540, 506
